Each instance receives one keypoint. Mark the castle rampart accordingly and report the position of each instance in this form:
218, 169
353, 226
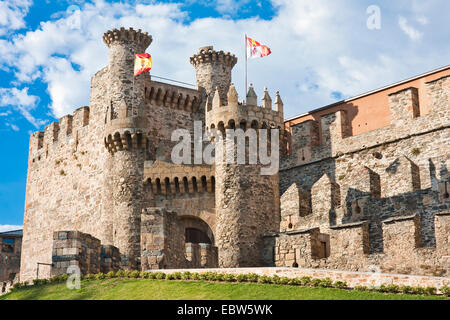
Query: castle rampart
364, 183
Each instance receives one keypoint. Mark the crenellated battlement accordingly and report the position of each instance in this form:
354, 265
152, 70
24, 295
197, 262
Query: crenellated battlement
58, 132
126, 35
330, 135
209, 55
171, 96
366, 182
243, 115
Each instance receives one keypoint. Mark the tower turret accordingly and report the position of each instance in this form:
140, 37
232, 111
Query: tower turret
247, 200
126, 138
213, 69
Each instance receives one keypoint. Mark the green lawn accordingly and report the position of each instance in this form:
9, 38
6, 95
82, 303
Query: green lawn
137, 289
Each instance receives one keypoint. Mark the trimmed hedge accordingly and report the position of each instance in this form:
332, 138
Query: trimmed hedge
241, 278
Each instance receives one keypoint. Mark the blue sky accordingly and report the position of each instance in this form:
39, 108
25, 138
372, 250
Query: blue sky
322, 52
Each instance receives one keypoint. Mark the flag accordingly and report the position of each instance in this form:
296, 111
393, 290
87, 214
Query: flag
142, 63
256, 50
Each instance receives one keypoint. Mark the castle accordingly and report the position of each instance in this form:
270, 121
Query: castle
362, 183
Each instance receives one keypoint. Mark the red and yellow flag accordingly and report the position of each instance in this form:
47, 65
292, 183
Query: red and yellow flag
142, 63
256, 50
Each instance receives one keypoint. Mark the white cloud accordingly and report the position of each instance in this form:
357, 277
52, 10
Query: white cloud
410, 31
8, 227
22, 101
422, 20
12, 126
12, 14
319, 47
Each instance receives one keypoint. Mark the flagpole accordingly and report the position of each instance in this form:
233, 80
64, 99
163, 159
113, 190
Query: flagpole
245, 48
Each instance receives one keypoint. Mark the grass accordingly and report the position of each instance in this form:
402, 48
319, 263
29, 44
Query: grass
139, 289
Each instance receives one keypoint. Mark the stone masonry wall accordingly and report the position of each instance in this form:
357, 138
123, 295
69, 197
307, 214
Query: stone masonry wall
9, 257
397, 171
74, 248
73, 180
77, 249
65, 182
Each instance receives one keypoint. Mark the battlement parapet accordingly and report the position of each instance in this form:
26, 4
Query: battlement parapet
127, 35
335, 138
58, 131
163, 178
209, 55
175, 97
238, 114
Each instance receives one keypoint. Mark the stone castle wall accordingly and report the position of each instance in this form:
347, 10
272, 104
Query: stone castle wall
361, 187
379, 199
65, 182
76, 164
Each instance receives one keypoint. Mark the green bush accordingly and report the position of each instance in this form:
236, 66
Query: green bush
340, 284
445, 290
100, 276
326, 283
406, 290
220, 277
90, 276
186, 275
111, 275
265, 279
64, 277
305, 281
160, 275
18, 285
316, 282
178, 275
170, 276
230, 278
284, 280
127, 273
195, 276
120, 274
276, 279
295, 282
252, 277
134, 274
152, 275
204, 276
430, 291
241, 278
144, 275
418, 290
40, 282
390, 288
361, 288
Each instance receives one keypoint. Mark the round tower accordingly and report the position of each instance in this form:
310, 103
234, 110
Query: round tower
126, 126
213, 70
247, 198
